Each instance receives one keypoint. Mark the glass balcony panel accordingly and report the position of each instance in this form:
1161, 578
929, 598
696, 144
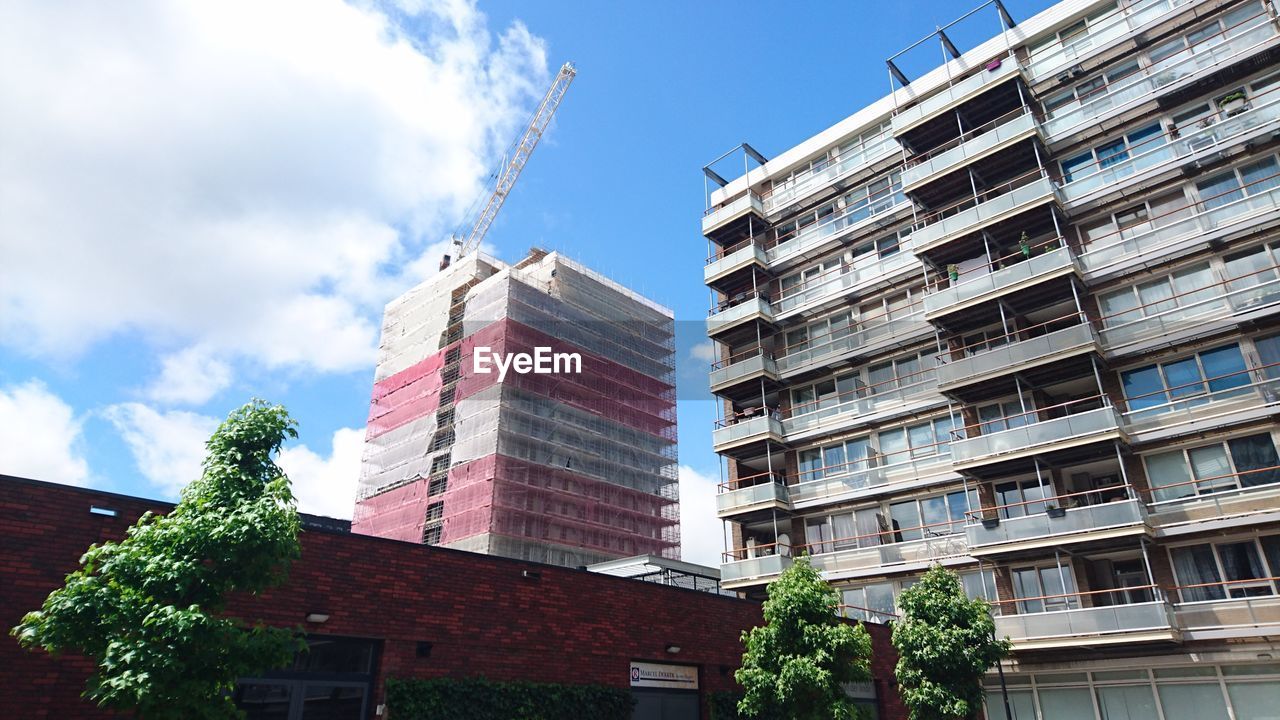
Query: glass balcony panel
765, 567
746, 497
1153, 78
885, 333
1238, 503
749, 429
937, 232
1076, 520
994, 283
1194, 314
1203, 406
955, 94
975, 146
860, 404
846, 163
719, 216
835, 483
1008, 358
850, 559
1101, 32
836, 282
745, 367
735, 260
1235, 613
1138, 617
846, 221
1045, 432
756, 307
1192, 140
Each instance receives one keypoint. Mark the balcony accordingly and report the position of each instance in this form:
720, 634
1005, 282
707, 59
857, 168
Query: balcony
1223, 617
1017, 356
837, 168
746, 431
996, 204
965, 90
826, 234
850, 481
1161, 77
846, 280
1197, 142
865, 342
973, 145
1215, 503
1182, 230
908, 393
754, 566
1233, 399
1200, 312
1056, 262
735, 260
872, 554
748, 307
1102, 31
736, 499
1073, 524
742, 367
1089, 626
1077, 427
717, 218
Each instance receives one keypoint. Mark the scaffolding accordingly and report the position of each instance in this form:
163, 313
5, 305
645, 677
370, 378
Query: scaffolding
572, 467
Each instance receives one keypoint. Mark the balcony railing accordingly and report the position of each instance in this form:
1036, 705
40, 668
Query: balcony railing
875, 550
1010, 127
1078, 520
1260, 119
1034, 269
838, 224
716, 217
736, 258
1077, 625
1239, 396
838, 167
754, 305
954, 95
838, 281
1082, 420
735, 497
859, 401
1219, 497
750, 429
1018, 354
1048, 62
758, 565
1023, 192
747, 364
855, 477
866, 340
1218, 301
1235, 608
1176, 228
1232, 43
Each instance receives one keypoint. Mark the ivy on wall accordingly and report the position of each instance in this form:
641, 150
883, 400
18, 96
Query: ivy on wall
481, 699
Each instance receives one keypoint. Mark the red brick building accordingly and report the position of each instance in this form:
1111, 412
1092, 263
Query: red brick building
392, 609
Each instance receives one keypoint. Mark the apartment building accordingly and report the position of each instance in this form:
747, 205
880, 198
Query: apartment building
571, 466
1021, 317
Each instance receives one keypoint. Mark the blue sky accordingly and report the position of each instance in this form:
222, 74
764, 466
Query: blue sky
200, 205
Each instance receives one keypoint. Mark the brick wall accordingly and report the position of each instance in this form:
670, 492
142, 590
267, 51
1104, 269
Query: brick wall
482, 615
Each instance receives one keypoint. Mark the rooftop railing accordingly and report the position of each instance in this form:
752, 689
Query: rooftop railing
988, 75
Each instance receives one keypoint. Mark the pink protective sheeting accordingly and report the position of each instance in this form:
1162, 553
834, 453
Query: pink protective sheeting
397, 514
406, 396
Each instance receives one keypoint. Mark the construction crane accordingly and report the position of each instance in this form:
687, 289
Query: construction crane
514, 160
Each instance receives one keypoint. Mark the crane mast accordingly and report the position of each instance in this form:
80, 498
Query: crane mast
512, 164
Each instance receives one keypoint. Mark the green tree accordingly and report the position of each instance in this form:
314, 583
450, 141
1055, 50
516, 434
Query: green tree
796, 664
148, 609
946, 643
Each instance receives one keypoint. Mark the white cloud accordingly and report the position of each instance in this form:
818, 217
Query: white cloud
252, 178
191, 377
706, 352
701, 534
326, 486
41, 436
167, 447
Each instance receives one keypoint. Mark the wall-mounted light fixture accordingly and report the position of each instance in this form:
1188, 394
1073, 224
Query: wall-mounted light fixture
673, 649
317, 617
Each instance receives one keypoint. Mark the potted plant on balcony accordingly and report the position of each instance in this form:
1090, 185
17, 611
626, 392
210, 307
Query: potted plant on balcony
1232, 103
953, 272
1024, 244
1054, 511
991, 522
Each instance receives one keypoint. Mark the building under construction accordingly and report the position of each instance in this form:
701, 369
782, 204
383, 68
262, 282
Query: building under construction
572, 466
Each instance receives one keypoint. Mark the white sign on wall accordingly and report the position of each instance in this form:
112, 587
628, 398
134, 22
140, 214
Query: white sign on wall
657, 675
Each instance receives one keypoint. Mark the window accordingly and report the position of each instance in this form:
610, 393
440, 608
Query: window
851, 456
1005, 415
1044, 589
935, 516
1019, 498
1210, 371
1113, 152
877, 598
1230, 569
1190, 288
1239, 463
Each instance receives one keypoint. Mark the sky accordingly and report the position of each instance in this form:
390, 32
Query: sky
201, 203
